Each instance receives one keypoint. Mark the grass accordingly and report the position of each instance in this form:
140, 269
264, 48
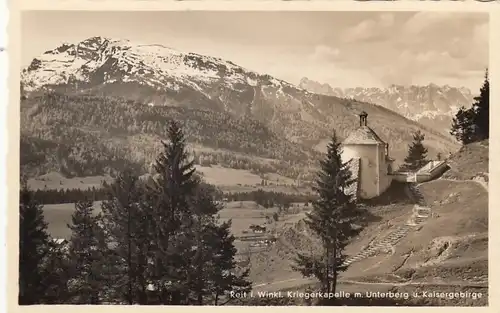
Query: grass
242, 213
220, 176
245, 213
227, 179
452, 245
472, 160
55, 180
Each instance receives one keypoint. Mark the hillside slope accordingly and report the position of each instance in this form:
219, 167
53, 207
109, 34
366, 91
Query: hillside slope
447, 251
451, 244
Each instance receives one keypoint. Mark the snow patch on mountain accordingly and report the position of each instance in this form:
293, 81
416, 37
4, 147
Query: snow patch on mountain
420, 103
115, 60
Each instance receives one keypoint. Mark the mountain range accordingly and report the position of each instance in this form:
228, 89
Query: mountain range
431, 105
107, 99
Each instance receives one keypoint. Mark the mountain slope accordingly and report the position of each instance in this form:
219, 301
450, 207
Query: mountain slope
117, 91
431, 105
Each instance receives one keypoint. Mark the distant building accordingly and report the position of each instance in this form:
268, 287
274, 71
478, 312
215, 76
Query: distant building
369, 160
257, 229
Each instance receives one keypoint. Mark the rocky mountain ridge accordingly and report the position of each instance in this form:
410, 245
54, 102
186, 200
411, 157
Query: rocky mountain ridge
431, 105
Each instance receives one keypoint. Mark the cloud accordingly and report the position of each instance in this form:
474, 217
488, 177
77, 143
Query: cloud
324, 53
481, 34
386, 19
424, 21
373, 29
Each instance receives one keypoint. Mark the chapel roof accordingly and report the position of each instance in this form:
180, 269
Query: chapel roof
364, 135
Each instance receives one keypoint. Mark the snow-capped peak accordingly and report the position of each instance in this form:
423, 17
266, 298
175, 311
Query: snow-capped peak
101, 60
420, 103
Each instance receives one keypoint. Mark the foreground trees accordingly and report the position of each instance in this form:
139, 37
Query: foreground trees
126, 223
156, 241
42, 265
87, 255
331, 219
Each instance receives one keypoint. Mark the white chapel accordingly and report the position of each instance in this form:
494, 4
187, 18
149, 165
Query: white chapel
368, 159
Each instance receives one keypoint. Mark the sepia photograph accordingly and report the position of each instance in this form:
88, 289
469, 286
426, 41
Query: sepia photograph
254, 158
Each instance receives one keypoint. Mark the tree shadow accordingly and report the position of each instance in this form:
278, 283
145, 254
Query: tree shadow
395, 194
366, 217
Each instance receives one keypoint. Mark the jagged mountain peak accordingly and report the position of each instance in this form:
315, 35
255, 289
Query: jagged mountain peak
429, 104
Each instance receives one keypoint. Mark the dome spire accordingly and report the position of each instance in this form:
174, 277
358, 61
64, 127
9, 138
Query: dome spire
362, 118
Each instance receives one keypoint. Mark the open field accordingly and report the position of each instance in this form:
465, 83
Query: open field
227, 179
220, 176
242, 213
58, 216
55, 180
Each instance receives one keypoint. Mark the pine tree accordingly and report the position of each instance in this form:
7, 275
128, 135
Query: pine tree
417, 153
191, 257
34, 248
481, 108
331, 219
125, 224
213, 258
471, 125
224, 275
87, 252
172, 219
56, 275
463, 126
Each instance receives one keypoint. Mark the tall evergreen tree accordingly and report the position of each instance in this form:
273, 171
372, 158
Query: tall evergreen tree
56, 275
331, 219
172, 219
471, 125
34, 248
224, 275
417, 153
463, 126
191, 257
482, 110
87, 252
216, 273
124, 221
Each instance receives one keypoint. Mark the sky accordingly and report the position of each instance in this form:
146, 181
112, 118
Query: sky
343, 49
